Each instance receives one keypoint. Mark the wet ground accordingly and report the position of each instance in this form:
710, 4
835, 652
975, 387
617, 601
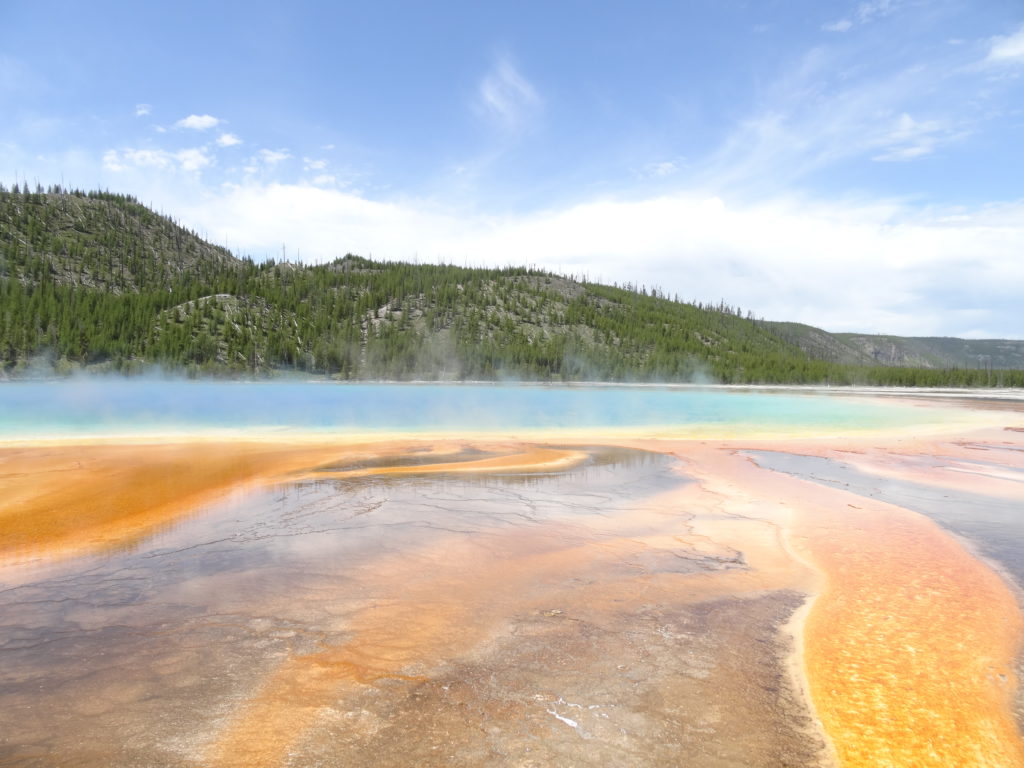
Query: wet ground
993, 524
491, 601
564, 617
978, 495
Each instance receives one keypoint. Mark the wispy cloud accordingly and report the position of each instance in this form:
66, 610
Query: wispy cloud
265, 160
273, 156
228, 140
139, 158
198, 122
812, 119
507, 97
872, 9
318, 168
843, 25
1007, 49
844, 266
909, 138
141, 110
192, 159
864, 13
189, 160
765, 219
660, 169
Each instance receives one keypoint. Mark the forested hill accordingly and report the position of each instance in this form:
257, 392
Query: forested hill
99, 281
905, 351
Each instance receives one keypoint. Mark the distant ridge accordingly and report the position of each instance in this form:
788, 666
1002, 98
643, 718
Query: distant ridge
98, 281
905, 351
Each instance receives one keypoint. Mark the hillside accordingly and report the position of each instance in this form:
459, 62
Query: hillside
99, 281
101, 241
819, 344
903, 351
938, 352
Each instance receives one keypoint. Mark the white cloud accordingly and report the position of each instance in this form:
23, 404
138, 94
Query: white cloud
265, 160
141, 110
735, 232
112, 161
659, 170
842, 25
911, 138
198, 122
872, 9
190, 160
1008, 49
228, 140
865, 13
136, 158
842, 266
273, 156
812, 120
507, 97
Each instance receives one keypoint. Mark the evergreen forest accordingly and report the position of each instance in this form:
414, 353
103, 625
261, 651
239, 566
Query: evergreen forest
97, 281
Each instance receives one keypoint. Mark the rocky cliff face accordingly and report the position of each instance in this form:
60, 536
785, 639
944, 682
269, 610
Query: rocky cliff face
902, 351
939, 352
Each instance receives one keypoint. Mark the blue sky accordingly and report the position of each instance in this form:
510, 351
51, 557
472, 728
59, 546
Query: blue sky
854, 165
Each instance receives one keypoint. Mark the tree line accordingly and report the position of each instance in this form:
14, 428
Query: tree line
98, 280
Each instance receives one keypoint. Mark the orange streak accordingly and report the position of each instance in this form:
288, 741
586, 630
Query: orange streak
447, 597
909, 648
534, 460
71, 499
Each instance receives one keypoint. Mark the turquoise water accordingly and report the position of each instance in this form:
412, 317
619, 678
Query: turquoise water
132, 407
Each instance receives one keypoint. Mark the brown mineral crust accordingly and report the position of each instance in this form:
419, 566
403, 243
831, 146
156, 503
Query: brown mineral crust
668, 618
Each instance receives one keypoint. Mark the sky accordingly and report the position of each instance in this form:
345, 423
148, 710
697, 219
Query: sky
858, 166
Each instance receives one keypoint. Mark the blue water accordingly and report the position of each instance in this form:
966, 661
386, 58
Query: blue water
127, 407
